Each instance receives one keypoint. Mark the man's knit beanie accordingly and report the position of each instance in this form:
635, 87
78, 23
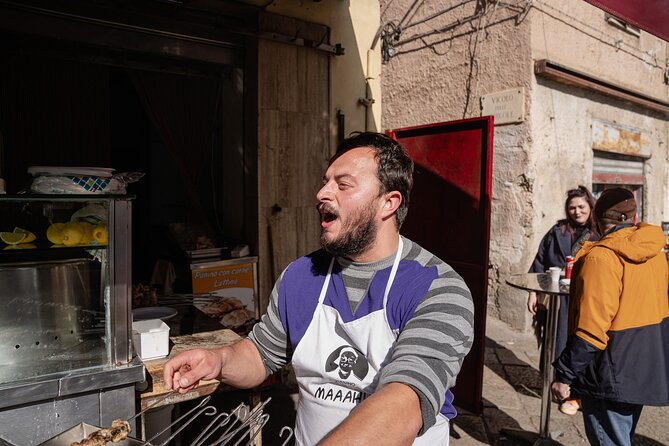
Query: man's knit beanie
616, 204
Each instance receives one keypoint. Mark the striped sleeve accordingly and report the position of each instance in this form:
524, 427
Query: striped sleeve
269, 335
429, 351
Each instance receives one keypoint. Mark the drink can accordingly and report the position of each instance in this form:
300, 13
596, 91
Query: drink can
568, 267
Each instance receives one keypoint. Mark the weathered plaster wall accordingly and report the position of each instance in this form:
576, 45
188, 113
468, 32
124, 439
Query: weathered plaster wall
441, 77
562, 119
575, 33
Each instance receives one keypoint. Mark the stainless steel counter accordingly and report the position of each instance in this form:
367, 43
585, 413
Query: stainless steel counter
33, 412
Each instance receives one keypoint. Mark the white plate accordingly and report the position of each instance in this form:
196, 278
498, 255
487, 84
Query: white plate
565, 281
103, 172
146, 313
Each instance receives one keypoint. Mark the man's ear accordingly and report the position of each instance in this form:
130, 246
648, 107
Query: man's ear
391, 203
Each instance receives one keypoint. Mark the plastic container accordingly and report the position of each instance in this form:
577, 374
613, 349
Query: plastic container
151, 338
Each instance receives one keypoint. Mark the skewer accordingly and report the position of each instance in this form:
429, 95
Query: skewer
187, 296
251, 421
207, 410
153, 404
187, 299
208, 431
242, 425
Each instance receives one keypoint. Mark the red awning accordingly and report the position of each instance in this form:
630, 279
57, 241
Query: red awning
649, 15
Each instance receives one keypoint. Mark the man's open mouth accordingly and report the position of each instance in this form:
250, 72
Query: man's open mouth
327, 214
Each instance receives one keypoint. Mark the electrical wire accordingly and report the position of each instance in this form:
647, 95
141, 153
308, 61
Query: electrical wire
474, 60
436, 14
401, 22
461, 21
522, 8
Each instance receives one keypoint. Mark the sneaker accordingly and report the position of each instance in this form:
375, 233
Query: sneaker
570, 406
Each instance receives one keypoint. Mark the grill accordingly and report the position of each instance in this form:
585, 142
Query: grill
237, 428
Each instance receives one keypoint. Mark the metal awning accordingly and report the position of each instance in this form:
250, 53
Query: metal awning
649, 15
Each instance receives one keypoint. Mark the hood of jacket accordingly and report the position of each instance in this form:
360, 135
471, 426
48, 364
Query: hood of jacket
636, 244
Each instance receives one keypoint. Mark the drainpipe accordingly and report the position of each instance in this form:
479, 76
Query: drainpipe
371, 77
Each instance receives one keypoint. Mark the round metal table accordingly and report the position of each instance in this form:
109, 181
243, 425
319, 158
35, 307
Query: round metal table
542, 283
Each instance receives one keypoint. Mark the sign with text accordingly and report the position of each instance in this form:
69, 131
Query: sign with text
508, 106
230, 287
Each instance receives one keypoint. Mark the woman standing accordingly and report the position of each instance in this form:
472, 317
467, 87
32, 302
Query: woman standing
564, 239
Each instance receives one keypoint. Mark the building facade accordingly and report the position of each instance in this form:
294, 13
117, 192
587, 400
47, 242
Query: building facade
579, 97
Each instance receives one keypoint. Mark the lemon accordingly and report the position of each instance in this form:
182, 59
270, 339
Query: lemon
100, 234
73, 234
12, 238
30, 237
87, 232
21, 246
55, 233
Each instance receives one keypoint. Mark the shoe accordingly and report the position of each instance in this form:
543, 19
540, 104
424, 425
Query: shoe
570, 406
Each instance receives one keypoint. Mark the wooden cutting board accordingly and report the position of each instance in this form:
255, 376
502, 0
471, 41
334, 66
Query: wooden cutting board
178, 344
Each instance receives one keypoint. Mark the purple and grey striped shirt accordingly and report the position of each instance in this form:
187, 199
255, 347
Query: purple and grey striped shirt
429, 307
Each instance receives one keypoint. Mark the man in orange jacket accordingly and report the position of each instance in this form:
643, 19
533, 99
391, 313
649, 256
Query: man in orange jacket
617, 355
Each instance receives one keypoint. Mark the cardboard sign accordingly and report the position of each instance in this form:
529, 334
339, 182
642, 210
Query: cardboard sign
235, 281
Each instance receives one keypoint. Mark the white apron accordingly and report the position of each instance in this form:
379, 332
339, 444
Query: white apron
337, 366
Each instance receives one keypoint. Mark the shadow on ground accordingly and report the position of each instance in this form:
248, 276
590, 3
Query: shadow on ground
640, 440
523, 377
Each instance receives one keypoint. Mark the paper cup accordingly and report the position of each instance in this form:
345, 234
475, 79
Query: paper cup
554, 271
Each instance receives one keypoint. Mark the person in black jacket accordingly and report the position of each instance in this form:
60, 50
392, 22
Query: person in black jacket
564, 239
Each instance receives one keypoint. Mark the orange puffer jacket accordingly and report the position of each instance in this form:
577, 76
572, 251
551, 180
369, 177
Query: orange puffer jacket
619, 318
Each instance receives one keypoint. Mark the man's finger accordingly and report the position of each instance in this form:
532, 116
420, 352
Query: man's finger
188, 378
168, 373
174, 385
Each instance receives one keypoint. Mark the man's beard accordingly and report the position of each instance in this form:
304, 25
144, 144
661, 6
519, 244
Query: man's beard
356, 235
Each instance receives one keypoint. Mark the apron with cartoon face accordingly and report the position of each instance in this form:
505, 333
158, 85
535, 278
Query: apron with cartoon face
337, 365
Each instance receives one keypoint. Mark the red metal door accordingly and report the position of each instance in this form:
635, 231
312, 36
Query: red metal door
449, 215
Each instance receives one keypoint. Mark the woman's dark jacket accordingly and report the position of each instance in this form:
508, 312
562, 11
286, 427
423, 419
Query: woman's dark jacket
553, 250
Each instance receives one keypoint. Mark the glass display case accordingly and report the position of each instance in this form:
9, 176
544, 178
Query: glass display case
65, 328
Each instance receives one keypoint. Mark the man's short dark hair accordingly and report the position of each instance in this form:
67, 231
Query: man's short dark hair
394, 166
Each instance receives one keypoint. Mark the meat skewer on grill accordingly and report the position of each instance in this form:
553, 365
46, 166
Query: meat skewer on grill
119, 431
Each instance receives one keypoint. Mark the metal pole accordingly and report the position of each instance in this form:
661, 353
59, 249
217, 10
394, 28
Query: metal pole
549, 355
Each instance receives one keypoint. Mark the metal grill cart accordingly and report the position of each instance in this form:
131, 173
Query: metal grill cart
238, 427
65, 324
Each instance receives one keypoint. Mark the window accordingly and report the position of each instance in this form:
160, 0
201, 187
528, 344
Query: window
612, 170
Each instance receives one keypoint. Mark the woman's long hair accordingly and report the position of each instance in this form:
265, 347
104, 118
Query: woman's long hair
567, 225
